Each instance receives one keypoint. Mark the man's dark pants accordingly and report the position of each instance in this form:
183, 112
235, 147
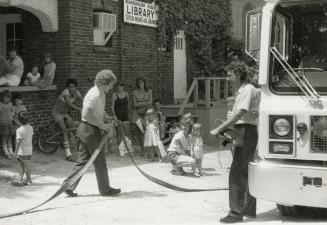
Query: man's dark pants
240, 199
89, 137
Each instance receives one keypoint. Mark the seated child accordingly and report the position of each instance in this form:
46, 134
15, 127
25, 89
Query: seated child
32, 76
152, 140
23, 151
197, 147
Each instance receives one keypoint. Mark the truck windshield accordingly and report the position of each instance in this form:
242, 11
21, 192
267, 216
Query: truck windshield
299, 34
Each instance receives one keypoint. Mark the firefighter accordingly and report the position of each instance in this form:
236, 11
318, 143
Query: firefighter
243, 118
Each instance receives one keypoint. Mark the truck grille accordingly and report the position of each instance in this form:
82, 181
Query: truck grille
318, 141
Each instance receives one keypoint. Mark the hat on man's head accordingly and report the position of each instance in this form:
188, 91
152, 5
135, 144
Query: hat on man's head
104, 77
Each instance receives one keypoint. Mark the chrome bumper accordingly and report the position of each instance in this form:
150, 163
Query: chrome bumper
289, 184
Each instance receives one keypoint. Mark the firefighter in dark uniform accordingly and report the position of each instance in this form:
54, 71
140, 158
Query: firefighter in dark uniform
243, 119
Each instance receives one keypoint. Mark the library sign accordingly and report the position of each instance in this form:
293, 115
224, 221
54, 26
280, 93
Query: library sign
140, 13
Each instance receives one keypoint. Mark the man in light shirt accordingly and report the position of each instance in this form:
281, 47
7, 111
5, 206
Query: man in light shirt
244, 118
95, 119
15, 68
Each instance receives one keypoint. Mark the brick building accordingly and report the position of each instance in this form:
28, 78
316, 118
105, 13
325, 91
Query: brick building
66, 29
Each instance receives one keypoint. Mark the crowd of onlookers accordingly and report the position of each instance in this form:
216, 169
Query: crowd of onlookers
157, 137
178, 140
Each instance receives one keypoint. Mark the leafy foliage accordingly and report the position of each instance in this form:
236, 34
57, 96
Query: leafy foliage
206, 24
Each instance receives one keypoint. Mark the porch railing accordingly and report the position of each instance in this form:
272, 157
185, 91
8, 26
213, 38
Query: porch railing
216, 90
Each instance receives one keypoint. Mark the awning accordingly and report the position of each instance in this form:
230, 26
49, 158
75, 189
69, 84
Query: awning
45, 10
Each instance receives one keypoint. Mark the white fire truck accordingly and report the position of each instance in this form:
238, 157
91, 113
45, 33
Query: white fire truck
289, 39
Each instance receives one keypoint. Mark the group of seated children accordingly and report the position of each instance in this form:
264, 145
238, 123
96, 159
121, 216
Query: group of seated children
14, 123
185, 140
12, 69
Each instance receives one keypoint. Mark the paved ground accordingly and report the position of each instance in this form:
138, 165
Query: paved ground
141, 201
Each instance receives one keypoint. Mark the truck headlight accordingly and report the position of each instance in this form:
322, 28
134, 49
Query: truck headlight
282, 127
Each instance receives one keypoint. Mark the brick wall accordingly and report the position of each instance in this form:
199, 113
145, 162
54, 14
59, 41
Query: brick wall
133, 52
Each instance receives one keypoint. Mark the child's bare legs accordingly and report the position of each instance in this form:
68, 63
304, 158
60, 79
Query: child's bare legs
162, 127
61, 123
4, 145
7, 146
193, 169
156, 150
150, 152
199, 163
21, 171
27, 172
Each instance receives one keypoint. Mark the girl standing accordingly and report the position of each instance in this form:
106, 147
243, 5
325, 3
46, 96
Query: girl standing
197, 147
142, 100
151, 137
6, 124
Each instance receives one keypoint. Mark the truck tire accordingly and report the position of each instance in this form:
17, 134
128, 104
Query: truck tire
294, 210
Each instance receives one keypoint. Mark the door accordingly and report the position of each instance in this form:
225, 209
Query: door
180, 88
10, 32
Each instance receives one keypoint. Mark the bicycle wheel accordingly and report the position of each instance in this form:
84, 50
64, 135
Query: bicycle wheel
47, 145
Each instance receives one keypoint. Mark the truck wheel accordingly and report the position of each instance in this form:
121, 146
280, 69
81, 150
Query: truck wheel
291, 210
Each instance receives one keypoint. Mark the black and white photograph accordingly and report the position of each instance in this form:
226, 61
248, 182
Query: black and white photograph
163, 112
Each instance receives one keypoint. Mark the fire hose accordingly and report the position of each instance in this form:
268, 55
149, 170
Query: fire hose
77, 174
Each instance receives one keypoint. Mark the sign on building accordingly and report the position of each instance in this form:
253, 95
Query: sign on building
140, 13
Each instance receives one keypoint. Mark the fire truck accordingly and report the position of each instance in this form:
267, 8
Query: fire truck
289, 40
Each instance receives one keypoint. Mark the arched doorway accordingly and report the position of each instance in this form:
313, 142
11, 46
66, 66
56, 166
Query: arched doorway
45, 10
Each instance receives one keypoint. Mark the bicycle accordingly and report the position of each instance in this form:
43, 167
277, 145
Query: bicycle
49, 144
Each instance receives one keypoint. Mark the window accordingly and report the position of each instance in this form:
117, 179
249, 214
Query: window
280, 34
104, 25
14, 36
179, 43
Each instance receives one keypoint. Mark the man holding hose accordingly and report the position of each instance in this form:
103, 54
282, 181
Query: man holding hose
244, 119
95, 119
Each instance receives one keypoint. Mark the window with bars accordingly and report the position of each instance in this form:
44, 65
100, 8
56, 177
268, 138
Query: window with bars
14, 36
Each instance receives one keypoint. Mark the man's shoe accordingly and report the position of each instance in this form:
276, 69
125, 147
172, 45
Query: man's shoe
250, 215
70, 158
111, 192
70, 193
231, 219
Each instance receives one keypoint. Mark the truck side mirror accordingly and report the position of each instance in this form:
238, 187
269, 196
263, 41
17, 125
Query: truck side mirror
252, 33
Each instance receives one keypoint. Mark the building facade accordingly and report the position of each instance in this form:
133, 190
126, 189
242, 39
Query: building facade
67, 29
